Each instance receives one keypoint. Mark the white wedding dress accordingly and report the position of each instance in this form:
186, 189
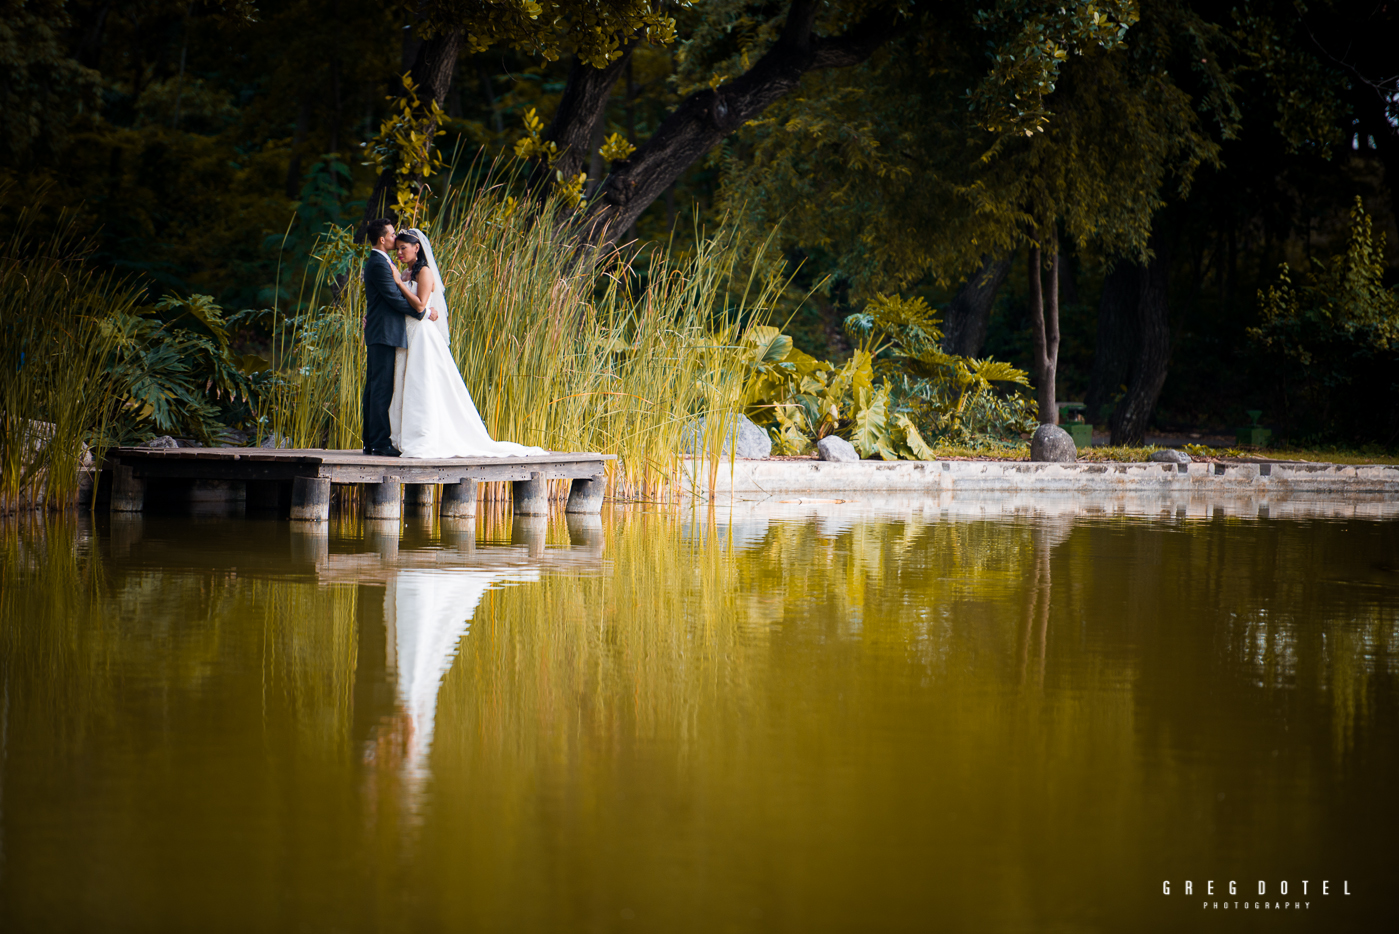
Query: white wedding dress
432, 414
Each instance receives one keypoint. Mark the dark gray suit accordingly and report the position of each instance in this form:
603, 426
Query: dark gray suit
384, 330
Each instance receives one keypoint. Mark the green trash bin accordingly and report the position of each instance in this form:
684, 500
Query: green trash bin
1081, 432
1254, 435
1071, 420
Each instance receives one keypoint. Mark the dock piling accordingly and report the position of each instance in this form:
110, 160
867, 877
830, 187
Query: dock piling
128, 491
419, 497
218, 492
585, 496
310, 499
383, 500
459, 499
531, 496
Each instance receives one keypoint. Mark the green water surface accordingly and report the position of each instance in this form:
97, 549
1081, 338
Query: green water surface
687, 721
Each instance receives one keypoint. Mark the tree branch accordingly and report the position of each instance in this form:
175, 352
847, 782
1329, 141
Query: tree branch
706, 117
584, 99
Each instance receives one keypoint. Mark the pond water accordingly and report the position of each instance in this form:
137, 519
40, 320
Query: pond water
815, 720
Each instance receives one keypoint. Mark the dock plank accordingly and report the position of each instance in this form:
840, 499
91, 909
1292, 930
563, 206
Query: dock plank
349, 466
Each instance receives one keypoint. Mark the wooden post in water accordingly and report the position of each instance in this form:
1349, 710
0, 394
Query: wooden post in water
418, 497
383, 500
218, 493
585, 496
128, 491
310, 499
531, 496
458, 499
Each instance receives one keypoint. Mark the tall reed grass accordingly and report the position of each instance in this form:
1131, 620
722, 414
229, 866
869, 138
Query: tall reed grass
54, 347
619, 356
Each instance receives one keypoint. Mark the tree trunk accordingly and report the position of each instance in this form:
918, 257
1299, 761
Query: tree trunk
488, 92
1152, 353
90, 49
1112, 351
582, 107
303, 119
1044, 332
964, 324
434, 62
704, 118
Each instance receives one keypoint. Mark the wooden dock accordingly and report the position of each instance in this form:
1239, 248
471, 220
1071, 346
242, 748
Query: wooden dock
301, 479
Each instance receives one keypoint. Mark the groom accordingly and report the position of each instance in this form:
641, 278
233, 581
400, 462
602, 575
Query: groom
384, 333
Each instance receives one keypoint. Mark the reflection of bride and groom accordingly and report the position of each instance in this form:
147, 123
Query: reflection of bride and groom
415, 402
431, 596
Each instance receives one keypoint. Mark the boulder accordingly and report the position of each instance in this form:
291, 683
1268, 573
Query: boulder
1169, 456
836, 449
164, 441
1053, 444
745, 439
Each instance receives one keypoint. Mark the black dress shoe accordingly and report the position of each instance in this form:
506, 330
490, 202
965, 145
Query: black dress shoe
389, 451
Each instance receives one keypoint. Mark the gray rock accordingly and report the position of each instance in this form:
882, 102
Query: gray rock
836, 449
745, 439
1169, 456
164, 441
232, 438
1053, 444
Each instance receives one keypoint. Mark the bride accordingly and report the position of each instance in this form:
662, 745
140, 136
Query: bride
432, 414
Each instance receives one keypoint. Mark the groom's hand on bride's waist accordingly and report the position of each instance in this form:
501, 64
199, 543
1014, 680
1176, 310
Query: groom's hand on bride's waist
432, 314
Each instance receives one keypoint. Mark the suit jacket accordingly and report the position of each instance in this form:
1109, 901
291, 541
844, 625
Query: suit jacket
383, 318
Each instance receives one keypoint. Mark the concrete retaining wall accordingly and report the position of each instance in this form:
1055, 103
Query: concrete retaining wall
748, 479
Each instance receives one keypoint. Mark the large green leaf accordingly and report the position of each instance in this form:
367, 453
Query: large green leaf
764, 344
913, 439
870, 434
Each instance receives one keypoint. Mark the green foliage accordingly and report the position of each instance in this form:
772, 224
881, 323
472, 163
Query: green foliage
955, 398
1303, 91
594, 31
404, 144
53, 353
1338, 332
173, 371
883, 166
897, 388
42, 89
1345, 309
1031, 41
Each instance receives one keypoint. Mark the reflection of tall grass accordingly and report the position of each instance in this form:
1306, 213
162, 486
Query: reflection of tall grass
312, 633
53, 357
76, 629
616, 358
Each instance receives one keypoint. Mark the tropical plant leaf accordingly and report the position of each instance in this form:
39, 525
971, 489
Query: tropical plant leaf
920, 449
870, 434
764, 344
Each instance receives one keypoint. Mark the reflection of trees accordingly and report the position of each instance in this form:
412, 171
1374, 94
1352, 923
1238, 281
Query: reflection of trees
138, 698
1032, 695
